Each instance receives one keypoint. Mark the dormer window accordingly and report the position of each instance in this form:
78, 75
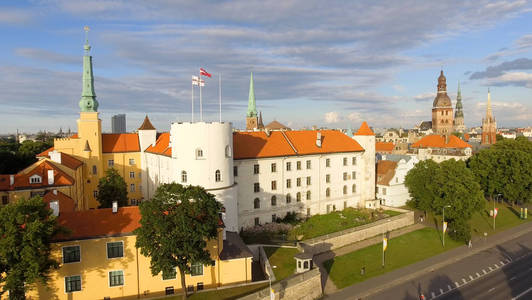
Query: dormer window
199, 153
35, 179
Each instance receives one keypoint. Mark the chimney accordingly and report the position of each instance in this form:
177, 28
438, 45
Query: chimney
115, 207
55, 156
318, 139
54, 206
11, 180
50, 177
55, 192
267, 131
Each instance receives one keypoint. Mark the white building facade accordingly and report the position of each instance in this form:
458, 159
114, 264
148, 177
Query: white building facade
391, 173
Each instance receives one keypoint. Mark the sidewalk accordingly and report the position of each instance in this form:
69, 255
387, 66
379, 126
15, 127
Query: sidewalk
379, 283
327, 284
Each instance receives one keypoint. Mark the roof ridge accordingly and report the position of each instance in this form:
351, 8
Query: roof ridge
289, 142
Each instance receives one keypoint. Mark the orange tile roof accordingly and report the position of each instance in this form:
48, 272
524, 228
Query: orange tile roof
45, 152
258, 144
70, 161
466, 137
99, 222
66, 204
332, 141
161, 145
384, 146
22, 180
438, 141
146, 125
120, 142
385, 171
364, 130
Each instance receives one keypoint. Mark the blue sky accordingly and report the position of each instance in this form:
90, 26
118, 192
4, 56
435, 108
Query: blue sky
324, 63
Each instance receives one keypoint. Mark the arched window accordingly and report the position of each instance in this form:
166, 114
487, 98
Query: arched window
298, 197
288, 198
184, 176
354, 188
345, 189
199, 153
308, 195
217, 176
328, 192
305, 264
256, 203
274, 201
228, 152
94, 170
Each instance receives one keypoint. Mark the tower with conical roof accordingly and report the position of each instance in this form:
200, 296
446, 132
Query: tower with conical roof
442, 109
459, 112
489, 126
252, 120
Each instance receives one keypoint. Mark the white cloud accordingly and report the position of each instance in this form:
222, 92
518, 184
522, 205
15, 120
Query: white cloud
332, 117
14, 16
512, 78
425, 96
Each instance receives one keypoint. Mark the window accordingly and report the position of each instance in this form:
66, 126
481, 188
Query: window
308, 195
308, 180
345, 189
328, 192
71, 254
288, 166
116, 278
274, 218
133, 202
110, 163
115, 249
354, 161
228, 152
298, 165
95, 194
274, 185
199, 153
94, 170
199, 286
256, 203
131, 174
328, 162
196, 269
184, 176
345, 175
308, 212
132, 187
328, 178
288, 198
354, 188
170, 275
298, 181
274, 167
308, 164
274, 201
298, 197
256, 187
384, 191
345, 161
256, 169
72, 284
131, 161
35, 179
5, 200
235, 171
217, 176
288, 183
354, 175
257, 221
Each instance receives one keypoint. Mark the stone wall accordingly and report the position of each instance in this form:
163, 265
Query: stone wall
342, 238
304, 286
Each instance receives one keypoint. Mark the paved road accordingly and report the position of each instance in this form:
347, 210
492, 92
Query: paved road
501, 272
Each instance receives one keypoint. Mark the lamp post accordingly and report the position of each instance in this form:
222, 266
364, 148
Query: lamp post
443, 225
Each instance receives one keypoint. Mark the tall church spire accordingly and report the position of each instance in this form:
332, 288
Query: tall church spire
459, 108
88, 101
252, 109
489, 126
489, 114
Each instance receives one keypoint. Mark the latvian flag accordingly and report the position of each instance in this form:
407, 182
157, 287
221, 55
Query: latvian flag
204, 73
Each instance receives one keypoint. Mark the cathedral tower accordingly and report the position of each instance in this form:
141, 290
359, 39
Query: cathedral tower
252, 120
442, 109
459, 113
489, 126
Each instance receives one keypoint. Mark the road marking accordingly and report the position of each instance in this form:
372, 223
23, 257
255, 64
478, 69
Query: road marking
433, 295
491, 269
457, 284
478, 275
449, 286
496, 266
522, 294
491, 290
484, 271
464, 280
441, 291
470, 277
513, 278
508, 260
502, 263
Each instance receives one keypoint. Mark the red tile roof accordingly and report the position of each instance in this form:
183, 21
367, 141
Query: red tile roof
66, 204
384, 146
364, 130
161, 145
22, 180
332, 141
120, 142
66, 159
385, 171
146, 125
258, 144
438, 141
45, 152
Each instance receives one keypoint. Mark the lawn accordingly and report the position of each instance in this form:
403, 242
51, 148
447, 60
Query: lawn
283, 260
403, 250
231, 293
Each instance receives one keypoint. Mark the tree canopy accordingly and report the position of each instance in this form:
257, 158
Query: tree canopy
111, 188
15, 157
26, 230
175, 227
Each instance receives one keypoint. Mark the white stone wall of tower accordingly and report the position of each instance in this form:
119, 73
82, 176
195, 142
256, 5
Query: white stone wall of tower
146, 138
368, 161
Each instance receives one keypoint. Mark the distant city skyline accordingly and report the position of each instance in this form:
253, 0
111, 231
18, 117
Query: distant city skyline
331, 64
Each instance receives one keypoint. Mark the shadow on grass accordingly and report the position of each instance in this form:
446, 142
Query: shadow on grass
512, 209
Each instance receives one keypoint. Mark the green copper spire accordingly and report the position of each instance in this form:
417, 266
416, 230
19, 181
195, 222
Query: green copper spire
459, 108
252, 109
88, 101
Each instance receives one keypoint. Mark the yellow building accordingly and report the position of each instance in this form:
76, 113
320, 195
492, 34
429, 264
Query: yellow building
98, 260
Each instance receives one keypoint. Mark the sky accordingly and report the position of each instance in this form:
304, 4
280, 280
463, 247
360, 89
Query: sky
326, 63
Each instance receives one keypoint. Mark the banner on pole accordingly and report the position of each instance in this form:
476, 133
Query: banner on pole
495, 211
197, 81
204, 73
444, 227
384, 244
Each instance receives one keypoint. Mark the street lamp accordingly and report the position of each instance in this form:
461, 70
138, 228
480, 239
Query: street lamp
443, 225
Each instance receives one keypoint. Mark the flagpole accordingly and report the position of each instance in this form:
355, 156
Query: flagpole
383, 250
220, 94
200, 101
192, 99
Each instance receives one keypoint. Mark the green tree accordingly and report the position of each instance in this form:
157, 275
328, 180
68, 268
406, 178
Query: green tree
27, 228
175, 227
421, 182
112, 188
499, 137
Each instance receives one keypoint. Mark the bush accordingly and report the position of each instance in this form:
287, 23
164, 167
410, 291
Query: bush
460, 230
290, 218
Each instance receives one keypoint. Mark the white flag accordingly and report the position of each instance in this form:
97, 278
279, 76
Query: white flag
196, 81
